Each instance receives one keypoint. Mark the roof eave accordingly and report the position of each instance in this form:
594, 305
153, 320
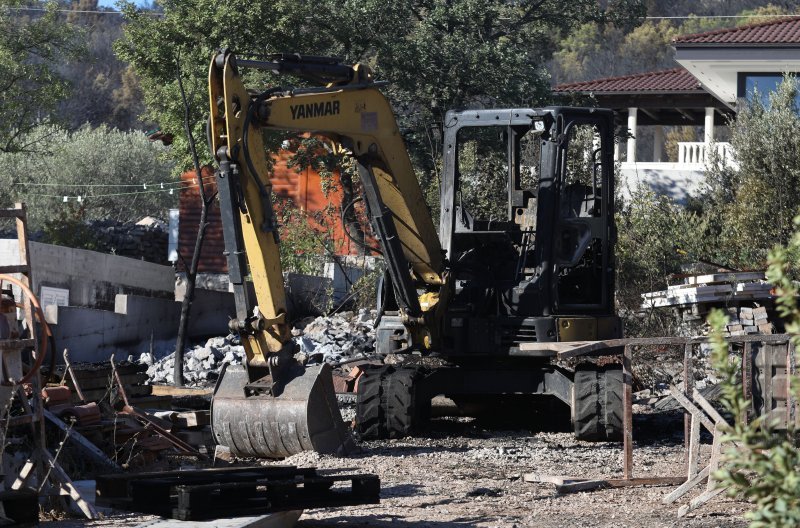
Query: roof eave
628, 92
677, 45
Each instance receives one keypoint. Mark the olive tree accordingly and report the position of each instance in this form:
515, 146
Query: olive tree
751, 202
104, 173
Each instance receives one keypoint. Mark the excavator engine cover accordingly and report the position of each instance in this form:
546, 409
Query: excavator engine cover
304, 416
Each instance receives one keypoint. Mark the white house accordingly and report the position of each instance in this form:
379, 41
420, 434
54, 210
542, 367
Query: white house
718, 70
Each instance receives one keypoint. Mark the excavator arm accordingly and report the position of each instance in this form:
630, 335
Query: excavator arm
271, 393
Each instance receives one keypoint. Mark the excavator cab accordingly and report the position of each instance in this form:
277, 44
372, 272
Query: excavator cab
527, 229
529, 194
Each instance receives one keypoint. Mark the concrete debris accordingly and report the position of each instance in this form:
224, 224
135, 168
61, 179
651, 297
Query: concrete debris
201, 364
331, 339
342, 336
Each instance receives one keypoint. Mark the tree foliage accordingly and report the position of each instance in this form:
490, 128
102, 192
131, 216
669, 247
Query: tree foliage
104, 90
30, 86
764, 464
655, 237
117, 175
595, 51
437, 55
751, 204
598, 49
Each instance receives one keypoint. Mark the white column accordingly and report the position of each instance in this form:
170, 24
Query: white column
658, 142
708, 129
632, 140
708, 134
616, 152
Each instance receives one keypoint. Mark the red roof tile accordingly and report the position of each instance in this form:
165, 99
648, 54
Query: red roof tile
780, 31
674, 80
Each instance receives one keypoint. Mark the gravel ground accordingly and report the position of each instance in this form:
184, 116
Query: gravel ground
460, 474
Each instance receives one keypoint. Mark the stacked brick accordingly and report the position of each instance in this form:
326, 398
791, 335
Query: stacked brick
746, 320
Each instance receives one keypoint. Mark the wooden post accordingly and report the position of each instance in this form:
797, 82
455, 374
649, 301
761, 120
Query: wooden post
747, 387
627, 413
694, 447
688, 385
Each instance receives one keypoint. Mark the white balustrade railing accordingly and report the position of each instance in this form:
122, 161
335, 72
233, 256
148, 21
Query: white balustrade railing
696, 152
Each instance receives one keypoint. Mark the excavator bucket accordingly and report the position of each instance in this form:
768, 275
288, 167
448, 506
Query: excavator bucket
303, 416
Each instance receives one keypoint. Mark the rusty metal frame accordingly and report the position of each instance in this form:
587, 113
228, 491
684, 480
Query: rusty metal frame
148, 422
566, 350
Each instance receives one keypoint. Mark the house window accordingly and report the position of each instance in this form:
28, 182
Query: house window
763, 83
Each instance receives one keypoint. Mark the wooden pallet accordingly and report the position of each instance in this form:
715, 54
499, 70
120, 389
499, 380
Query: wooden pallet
229, 492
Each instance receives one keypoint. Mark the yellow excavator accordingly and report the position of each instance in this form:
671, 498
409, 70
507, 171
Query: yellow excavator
468, 308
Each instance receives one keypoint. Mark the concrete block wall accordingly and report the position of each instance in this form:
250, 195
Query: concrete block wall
93, 279
93, 335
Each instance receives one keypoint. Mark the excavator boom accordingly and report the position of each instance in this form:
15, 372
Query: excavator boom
272, 406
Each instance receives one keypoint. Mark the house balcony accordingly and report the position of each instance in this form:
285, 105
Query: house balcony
678, 180
698, 152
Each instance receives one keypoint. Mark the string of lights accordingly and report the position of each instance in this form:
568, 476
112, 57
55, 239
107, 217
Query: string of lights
82, 197
143, 185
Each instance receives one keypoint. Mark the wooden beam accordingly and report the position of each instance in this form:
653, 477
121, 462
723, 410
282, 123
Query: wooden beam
692, 408
681, 490
169, 390
651, 114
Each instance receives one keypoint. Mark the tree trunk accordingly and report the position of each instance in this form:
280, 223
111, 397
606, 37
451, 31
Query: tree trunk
191, 273
191, 280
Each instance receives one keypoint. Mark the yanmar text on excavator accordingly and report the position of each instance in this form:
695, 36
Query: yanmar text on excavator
524, 258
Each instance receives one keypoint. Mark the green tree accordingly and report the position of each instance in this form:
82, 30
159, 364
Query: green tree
437, 55
763, 464
648, 46
595, 51
104, 90
655, 237
751, 203
30, 87
117, 175
589, 52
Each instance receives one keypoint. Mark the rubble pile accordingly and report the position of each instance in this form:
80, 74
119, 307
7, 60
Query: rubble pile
201, 364
346, 335
331, 339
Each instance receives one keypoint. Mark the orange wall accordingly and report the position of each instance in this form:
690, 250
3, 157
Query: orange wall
302, 187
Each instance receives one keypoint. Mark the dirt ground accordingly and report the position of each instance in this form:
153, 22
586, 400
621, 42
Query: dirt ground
460, 474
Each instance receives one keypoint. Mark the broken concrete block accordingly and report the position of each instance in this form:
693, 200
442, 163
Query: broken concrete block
223, 453
766, 328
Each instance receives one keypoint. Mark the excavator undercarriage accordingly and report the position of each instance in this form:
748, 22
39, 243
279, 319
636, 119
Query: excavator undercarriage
524, 256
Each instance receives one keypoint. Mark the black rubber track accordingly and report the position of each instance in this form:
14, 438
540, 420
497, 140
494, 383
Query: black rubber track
405, 412
370, 421
389, 403
597, 402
